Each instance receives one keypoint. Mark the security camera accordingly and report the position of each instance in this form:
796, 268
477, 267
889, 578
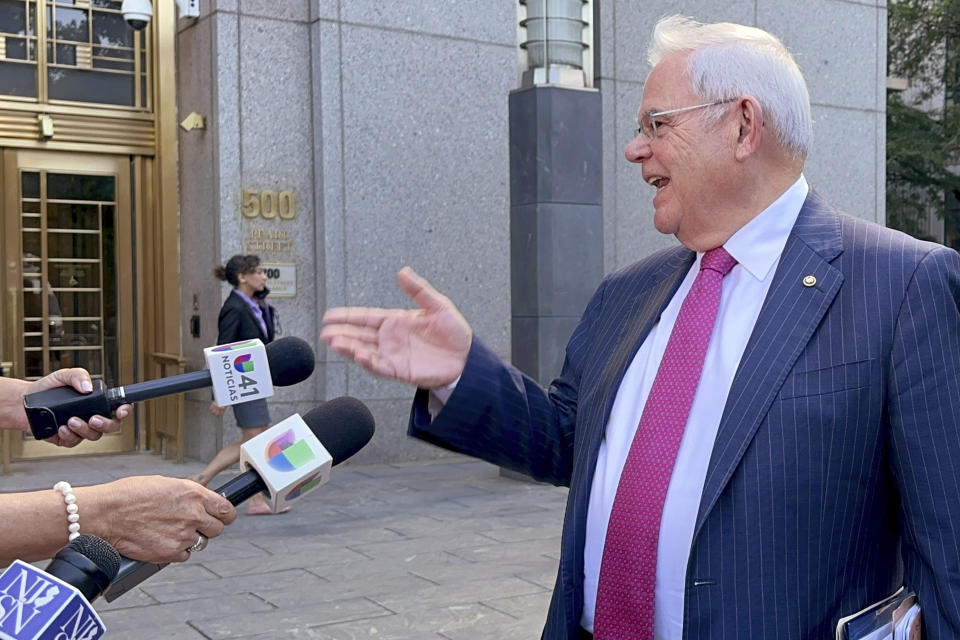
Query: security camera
137, 13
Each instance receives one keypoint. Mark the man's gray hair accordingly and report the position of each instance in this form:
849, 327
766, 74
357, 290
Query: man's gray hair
730, 60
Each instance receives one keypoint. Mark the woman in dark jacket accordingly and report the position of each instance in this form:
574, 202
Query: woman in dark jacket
245, 315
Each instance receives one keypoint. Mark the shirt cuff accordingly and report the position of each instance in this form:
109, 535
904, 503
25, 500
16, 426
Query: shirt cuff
439, 396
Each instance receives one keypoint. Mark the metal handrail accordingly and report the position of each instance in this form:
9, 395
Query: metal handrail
165, 415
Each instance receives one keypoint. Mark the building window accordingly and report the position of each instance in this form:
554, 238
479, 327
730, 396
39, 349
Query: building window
81, 51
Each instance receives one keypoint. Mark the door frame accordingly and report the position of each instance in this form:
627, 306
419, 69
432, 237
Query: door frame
11, 340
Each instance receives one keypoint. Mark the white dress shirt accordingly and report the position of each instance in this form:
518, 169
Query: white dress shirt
757, 247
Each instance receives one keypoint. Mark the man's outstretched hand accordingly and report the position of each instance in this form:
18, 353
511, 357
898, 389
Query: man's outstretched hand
426, 347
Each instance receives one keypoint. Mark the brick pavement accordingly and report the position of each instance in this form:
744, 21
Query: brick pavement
446, 549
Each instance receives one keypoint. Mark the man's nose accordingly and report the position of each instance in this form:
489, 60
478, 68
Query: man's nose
637, 149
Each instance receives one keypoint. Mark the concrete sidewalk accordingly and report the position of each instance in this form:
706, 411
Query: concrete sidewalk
432, 550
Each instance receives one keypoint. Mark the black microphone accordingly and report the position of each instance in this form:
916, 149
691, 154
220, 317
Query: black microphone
55, 603
343, 425
290, 359
88, 563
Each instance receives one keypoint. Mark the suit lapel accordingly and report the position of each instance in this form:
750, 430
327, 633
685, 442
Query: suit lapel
251, 314
789, 316
642, 312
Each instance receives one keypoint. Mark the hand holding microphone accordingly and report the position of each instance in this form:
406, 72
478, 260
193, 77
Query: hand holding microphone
153, 517
284, 462
73, 430
238, 373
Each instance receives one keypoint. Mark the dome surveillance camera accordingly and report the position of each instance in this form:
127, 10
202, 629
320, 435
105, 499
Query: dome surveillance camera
137, 13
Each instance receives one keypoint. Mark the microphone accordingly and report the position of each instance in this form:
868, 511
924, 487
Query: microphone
284, 462
237, 372
288, 460
54, 604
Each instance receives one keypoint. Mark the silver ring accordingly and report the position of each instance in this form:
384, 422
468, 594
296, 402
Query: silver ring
200, 544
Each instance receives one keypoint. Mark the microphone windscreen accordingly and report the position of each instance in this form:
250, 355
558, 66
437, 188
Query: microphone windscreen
343, 425
291, 360
100, 552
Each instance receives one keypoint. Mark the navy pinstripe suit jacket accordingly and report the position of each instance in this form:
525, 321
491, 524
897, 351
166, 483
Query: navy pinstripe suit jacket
835, 474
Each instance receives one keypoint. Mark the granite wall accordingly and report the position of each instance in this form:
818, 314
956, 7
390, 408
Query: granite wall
388, 121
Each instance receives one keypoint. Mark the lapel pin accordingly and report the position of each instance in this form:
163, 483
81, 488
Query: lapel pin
809, 281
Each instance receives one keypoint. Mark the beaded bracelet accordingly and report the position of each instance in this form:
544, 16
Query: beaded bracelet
73, 511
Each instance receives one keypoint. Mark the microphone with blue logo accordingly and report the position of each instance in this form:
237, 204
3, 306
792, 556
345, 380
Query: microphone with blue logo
238, 372
54, 604
284, 462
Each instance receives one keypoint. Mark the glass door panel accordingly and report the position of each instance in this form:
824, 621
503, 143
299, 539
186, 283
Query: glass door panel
62, 267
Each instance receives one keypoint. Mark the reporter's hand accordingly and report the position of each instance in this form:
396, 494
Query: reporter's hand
153, 518
216, 409
76, 430
426, 347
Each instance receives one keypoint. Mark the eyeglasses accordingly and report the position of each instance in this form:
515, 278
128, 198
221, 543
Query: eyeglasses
649, 122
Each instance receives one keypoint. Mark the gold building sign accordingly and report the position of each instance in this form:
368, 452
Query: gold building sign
267, 241
268, 204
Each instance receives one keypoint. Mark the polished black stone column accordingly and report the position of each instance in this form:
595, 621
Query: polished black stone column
556, 220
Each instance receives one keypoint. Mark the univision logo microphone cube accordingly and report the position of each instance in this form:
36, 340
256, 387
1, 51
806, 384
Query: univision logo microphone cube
239, 372
289, 459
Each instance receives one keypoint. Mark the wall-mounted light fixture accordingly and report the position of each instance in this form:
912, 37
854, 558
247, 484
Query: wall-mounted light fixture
193, 121
45, 123
555, 38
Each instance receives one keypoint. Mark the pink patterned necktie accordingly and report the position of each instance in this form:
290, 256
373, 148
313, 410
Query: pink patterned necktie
628, 569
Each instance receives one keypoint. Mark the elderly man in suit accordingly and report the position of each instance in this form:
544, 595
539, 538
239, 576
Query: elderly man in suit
759, 428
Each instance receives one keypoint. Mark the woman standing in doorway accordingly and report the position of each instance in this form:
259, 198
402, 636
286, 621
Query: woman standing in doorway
245, 315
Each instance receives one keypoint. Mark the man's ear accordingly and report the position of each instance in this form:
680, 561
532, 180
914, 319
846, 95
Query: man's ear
750, 120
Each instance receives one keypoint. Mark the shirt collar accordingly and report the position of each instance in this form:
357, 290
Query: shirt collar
758, 244
250, 301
